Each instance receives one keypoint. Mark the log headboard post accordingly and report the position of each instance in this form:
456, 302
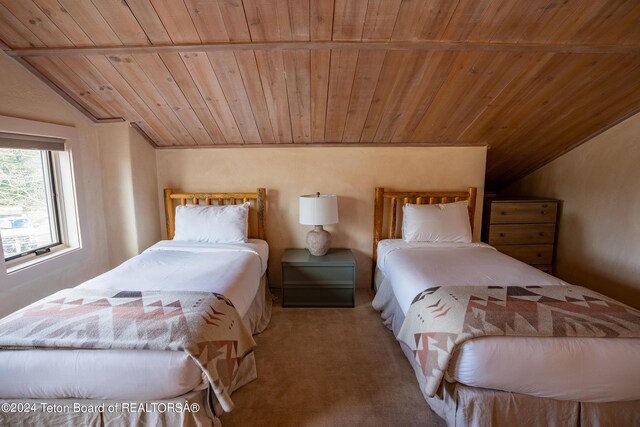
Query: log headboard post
170, 213
472, 206
397, 199
377, 223
261, 206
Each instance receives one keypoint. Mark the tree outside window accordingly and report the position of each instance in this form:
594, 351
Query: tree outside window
28, 215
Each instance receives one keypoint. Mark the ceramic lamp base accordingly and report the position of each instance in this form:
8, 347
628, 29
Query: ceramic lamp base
318, 241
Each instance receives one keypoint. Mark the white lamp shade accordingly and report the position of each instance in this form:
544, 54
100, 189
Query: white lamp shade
318, 210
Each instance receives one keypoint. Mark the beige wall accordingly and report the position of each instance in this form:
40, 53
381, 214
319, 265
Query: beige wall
23, 96
115, 162
350, 172
128, 167
599, 231
145, 183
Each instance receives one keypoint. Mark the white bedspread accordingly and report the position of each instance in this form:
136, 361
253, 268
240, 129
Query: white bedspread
557, 368
415, 266
233, 270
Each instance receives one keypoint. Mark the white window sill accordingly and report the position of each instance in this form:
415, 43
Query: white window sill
23, 263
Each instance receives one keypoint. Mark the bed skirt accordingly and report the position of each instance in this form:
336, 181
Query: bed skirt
98, 413
463, 406
259, 314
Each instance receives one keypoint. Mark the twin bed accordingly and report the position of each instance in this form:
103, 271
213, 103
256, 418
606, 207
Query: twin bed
191, 303
494, 341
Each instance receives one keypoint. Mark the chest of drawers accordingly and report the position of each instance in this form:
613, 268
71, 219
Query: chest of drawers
524, 229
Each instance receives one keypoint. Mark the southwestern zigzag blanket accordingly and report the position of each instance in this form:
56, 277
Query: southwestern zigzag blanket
442, 318
205, 325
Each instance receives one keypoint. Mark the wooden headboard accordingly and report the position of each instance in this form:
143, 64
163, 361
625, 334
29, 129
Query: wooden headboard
397, 199
259, 197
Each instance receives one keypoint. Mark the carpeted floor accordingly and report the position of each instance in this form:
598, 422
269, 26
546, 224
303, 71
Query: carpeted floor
330, 367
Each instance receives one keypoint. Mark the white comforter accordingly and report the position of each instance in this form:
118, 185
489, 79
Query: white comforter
557, 368
234, 270
415, 266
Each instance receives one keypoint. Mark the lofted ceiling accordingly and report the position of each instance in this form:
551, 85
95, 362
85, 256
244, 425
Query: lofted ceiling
530, 79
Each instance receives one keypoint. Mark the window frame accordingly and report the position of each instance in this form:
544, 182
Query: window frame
51, 182
22, 270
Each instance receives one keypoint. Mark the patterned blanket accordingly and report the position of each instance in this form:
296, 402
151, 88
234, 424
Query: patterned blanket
205, 325
442, 318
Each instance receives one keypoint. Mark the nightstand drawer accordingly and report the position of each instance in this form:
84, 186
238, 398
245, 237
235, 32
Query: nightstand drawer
523, 212
516, 234
531, 254
301, 275
317, 296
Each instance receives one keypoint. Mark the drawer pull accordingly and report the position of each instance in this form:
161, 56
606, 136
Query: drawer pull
501, 234
541, 233
539, 254
503, 213
543, 212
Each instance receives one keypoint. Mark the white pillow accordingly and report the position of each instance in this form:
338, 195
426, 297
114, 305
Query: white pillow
446, 222
212, 224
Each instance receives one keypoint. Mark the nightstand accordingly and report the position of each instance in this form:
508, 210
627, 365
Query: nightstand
318, 281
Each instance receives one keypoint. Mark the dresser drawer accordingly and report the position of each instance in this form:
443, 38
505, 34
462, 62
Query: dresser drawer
523, 212
317, 296
531, 254
516, 234
301, 275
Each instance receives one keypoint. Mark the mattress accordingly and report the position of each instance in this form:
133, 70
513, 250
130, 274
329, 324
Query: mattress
580, 369
234, 270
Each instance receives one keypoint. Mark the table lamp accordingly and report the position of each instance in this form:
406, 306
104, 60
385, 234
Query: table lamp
318, 210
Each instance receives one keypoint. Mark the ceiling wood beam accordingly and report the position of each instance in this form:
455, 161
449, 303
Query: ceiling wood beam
327, 144
431, 45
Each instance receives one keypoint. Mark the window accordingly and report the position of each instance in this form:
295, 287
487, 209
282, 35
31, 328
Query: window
29, 212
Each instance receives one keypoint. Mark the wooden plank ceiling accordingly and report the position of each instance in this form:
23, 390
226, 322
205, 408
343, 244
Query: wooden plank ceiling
530, 79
